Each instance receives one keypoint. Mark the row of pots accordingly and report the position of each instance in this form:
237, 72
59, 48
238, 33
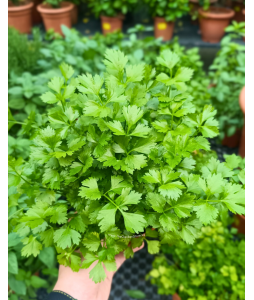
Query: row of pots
212, 22
24, 16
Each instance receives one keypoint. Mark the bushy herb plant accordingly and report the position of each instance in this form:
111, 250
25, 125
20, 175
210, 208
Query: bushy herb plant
111, 8
22, 53
114, 161
212, 268
168, 9
227, 74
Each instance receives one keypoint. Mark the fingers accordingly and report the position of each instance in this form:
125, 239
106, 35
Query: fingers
139, 248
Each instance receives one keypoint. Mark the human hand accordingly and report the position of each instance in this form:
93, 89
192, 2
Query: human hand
81, 287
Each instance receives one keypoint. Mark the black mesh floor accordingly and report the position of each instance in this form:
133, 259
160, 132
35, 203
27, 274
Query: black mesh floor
131, 276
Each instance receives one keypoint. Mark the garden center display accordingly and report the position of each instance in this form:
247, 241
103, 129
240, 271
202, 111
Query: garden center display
120, 136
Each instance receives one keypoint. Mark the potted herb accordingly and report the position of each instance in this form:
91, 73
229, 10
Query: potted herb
20, 15
56, 13
195, 5
165, 13
114, 161
111, 13
227, 75
212, 268
213, 21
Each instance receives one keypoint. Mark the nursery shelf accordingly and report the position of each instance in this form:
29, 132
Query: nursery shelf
188, 33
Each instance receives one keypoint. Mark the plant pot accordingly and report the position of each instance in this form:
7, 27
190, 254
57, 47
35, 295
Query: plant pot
242, 105
239, 223
163, 29
238, 8
74, 14
20, 17
213, 22
194, 7
232, 141
36, 17
111, 24
176, 297
55, 17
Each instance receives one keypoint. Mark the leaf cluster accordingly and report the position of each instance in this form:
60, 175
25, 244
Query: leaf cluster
114, 159
112, 8
212, 268
171, 10
227, 75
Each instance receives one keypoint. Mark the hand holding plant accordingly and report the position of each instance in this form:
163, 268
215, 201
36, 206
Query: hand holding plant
115, 157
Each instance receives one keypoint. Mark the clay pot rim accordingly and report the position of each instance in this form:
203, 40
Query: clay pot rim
162, 19
118, 16
242, 217
65, 7
197, 1
225, 13
21, 7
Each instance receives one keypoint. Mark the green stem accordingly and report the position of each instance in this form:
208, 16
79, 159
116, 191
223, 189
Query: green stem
110, 201
16, 122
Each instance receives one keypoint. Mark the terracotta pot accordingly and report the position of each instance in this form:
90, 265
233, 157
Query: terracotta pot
176, 297
163, 29
232, 141
242, 105
36, 17
74, 14
55, 17
111, 24
213, 22
238, 9
20, 17
239, 223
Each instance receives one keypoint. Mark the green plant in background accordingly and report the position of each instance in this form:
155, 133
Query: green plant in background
22, 53
53, 3
23, 273
24, 93
227, 74
212, 268
168, 9
237, 28
111, 8
114, 158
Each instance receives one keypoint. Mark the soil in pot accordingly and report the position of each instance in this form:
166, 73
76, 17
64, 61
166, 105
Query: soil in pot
213, 22
20, 17
232, 141
111, 24
36, 17
242, 105
53, 18
163, 29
